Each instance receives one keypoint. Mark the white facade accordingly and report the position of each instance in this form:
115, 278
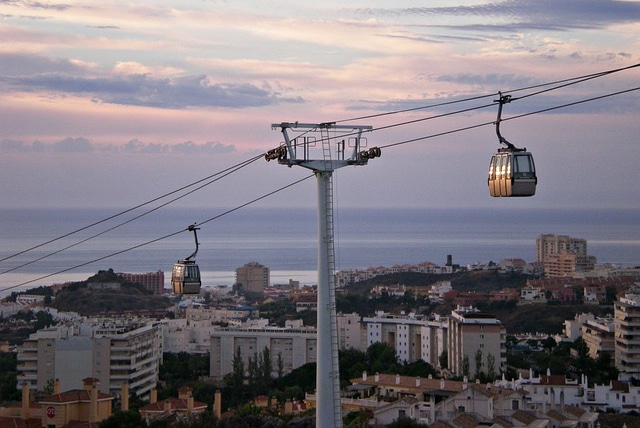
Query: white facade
345, 277
293, 346
438, 290
351, 332
627, 337
114, 351
573, 328
529, 294
413, 337
472, 333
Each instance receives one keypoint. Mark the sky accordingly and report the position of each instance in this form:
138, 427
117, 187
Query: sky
114, 103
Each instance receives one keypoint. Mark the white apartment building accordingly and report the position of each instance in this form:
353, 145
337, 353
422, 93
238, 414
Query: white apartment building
294, 347
352, 333
214, 314
627, 335
114, 351
598, 335
349, 276
573, 328
413, 337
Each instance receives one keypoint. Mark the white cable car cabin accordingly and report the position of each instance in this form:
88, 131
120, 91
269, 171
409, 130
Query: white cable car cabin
512, 171
185, 275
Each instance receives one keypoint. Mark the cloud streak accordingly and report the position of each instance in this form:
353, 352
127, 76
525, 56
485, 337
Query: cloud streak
532, 14
78, 145
144, 90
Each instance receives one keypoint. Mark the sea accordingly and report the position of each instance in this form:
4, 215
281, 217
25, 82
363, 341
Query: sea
49, 246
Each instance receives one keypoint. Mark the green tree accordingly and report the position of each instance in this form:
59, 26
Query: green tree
382, 358
267, 366
280, 364
405, 422
465, 366
444, 360
235, 381
491, 367
478, 361
128, 419
418, 368
8, 377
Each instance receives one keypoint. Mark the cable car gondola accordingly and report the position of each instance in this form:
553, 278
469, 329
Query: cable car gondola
512, 171
185, 275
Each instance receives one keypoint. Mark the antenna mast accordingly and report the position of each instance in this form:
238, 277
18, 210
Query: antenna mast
297, 152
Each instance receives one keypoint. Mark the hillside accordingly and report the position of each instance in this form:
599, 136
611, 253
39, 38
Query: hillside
85, 300
483, 280
543, 318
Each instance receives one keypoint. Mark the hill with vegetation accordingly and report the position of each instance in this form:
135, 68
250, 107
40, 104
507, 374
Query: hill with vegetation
543, 318
107, 294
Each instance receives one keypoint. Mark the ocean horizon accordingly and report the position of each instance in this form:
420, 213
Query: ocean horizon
285, 240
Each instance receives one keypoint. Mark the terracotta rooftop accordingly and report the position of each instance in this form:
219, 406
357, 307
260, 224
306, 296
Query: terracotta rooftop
177, 404
10, 422
465, 420
74, 396
409, 382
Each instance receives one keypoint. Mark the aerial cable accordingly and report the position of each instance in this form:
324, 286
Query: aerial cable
445, 103
574, 103
135, 247
227, 172
256, 200
466, 128
578, 79
244, 163
560, 84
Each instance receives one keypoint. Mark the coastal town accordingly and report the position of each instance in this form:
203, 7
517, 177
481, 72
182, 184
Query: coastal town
426, 344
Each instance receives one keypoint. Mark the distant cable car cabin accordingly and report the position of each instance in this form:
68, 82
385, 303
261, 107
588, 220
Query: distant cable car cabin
185, 275
512, 171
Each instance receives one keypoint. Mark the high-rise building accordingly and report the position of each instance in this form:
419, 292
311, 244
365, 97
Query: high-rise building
626, 313
563, 255
253, 277
109, 350
477, 342
152, 281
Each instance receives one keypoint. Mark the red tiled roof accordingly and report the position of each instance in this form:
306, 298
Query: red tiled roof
465, 420
10, 422
74, 396
177, 404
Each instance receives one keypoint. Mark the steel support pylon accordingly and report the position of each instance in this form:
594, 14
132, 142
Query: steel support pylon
328, 402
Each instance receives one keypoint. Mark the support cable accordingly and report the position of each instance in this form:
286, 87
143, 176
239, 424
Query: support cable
219, 177
225, 171
158, 239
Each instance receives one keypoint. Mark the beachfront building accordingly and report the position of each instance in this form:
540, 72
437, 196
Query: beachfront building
253, 277
563, 256
113, 351
152, 281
